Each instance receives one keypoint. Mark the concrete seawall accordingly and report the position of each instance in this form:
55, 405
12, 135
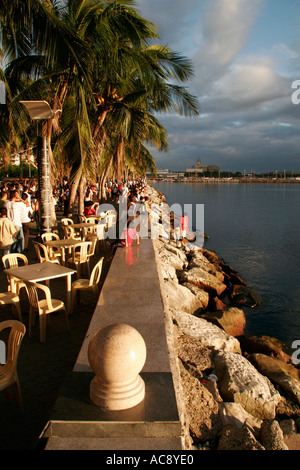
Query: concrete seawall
131, 294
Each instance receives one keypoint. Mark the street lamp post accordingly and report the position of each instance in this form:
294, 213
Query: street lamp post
40, 110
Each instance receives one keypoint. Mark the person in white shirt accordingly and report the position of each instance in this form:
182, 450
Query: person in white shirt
26, 214
14, 209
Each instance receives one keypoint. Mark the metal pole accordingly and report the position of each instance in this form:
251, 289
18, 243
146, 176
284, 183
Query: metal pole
44, 186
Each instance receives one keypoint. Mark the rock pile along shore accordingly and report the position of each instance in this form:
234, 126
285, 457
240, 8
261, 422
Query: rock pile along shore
233, 392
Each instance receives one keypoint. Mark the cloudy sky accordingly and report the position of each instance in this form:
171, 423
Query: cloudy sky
246, 56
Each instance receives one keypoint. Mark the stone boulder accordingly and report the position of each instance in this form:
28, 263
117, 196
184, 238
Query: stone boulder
198, 292
271, 436
266, 345
232, 320
244, 296
171, 259
208, 334
169, 272
202, 410
290, 435
211, 256
198, 256
190, 351
216, 305
240, 382
176, 251
287, 408
202, 278
235, 438
197, 262
231, 274
280, 373
177, 296
234, 414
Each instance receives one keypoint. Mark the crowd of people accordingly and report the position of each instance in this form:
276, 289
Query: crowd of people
19, 206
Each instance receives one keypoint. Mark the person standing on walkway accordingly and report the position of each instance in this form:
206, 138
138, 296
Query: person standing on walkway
26, 219
35, 214
14, 209
7, 232
184, 221
3, 198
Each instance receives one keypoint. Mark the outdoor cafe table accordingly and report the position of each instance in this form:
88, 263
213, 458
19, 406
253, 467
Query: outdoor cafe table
63, 244
45, 271
98, 217
83, 227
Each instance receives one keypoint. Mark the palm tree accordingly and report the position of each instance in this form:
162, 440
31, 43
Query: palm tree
94, 60
36, 43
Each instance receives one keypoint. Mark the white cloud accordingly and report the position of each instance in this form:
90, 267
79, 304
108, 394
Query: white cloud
249, 84
225, 28
247, 118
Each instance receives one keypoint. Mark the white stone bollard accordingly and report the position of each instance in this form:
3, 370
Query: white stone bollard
117, 354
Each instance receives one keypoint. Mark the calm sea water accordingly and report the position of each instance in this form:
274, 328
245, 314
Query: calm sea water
255, 228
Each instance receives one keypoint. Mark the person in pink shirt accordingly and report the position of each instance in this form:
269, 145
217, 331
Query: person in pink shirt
184, 222
129, 235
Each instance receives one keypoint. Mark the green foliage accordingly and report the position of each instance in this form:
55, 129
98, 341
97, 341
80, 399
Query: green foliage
97, 62
14, 171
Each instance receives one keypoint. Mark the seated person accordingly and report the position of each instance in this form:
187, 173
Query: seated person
90, 209
126, 240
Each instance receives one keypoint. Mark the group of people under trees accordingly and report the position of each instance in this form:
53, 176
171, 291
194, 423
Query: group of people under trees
18, 208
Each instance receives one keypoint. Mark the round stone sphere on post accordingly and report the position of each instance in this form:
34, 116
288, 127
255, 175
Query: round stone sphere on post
117, 354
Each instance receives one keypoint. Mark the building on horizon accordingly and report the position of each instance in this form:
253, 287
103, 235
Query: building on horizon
196, 170
200, 170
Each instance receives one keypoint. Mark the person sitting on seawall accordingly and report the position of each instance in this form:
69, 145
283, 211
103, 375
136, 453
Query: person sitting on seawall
129, 235
8, 233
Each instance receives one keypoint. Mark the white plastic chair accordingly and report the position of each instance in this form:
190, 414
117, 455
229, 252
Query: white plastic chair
79, 256
14, 260
43, 254
87, 284
8, 372
52, 250
69, 232
91, 237
11, 298
41, 302
67, 221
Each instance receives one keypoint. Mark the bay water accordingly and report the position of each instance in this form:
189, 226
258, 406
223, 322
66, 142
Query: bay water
254, 228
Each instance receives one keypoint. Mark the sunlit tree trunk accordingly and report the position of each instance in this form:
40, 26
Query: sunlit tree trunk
81, 196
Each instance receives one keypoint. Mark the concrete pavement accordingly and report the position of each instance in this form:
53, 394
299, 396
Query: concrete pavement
42, 368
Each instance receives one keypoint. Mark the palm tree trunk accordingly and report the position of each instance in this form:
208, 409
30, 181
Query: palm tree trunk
103, 178
73, 193
81, 196
120, 155
99, 122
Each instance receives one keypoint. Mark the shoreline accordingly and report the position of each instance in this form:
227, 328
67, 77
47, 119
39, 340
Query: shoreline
232, 180
233, 392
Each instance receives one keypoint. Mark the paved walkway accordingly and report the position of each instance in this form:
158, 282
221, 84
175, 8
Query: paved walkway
55, 376
130, 295
42, 368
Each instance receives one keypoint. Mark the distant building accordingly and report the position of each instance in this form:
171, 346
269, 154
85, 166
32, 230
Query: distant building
167, 174
199, 170
162, 172
196, 170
